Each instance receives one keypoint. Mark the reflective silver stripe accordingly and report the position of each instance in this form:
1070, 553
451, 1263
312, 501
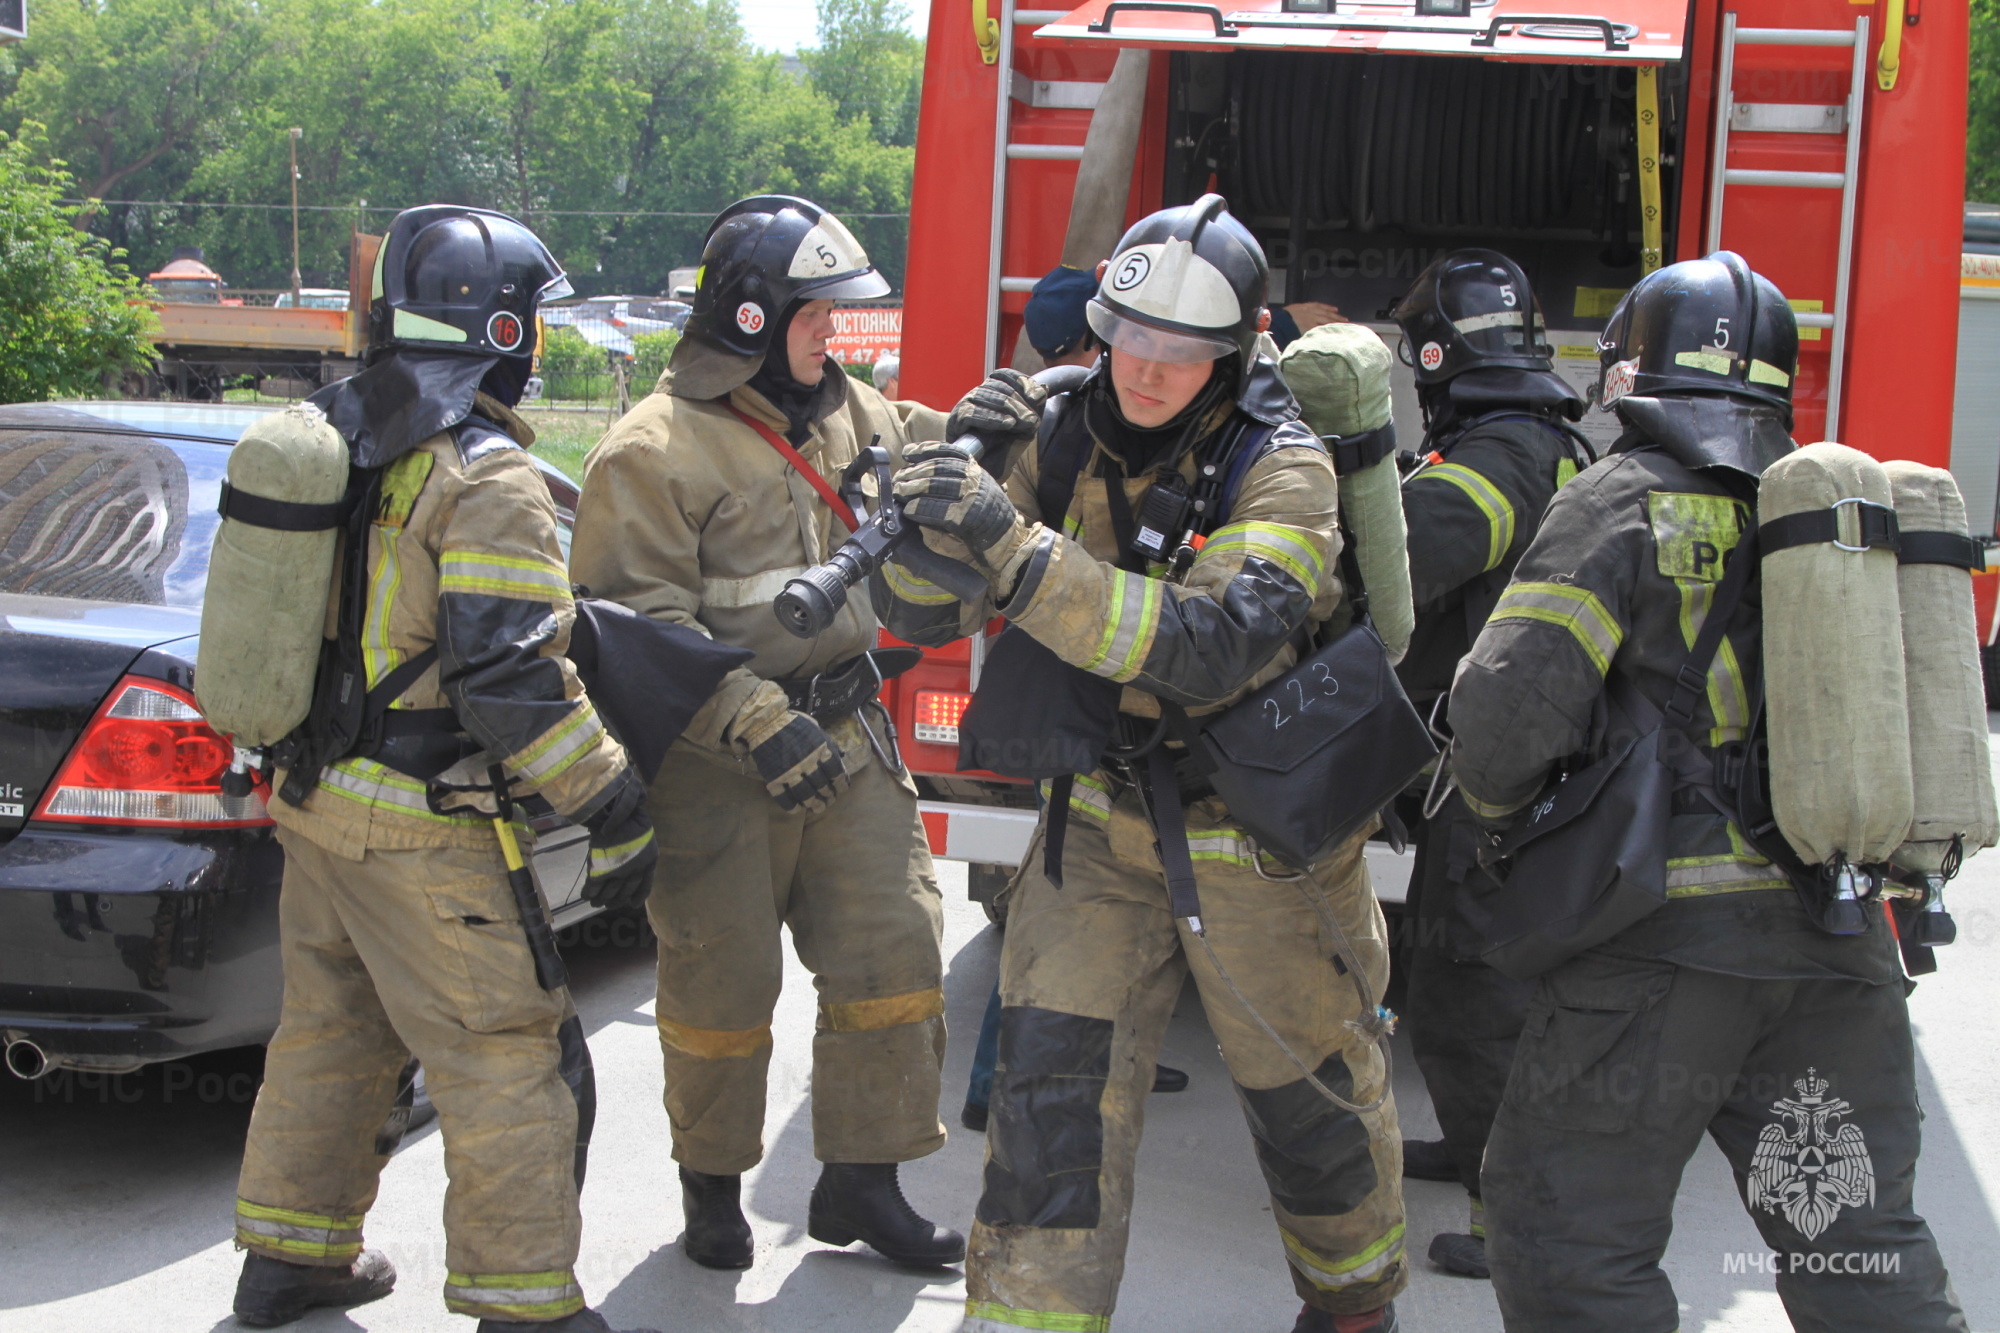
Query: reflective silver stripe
604, 861
1370, 1264
331, 1237
364, 780
561, 745
1220, 845
1128, 635
522, 577
1569, 607
757, 590
1498, 319
1686, 879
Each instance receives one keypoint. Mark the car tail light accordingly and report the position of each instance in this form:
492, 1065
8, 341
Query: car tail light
149, 757
937, 715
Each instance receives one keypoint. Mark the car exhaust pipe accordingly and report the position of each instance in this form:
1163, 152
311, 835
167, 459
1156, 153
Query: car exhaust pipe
26, 1060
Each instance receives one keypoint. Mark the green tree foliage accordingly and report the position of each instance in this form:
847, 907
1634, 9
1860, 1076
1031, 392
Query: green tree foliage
1982, 131
581, 116
69, 312
649, 357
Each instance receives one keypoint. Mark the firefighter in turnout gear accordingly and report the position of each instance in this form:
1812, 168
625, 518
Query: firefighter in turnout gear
1495, 449
1083, 554
399, 930
1727, 1011
784, 803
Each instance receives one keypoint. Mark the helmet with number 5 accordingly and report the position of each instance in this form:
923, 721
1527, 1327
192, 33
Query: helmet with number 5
761, 256
1469, 310
1704, 327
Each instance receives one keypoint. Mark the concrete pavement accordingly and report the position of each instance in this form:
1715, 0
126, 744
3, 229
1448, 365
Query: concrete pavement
115, 1196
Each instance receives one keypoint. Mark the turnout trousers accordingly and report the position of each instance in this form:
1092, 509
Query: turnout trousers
1463, 1017
855, 884
1807, 1086
420, 952
1089, 975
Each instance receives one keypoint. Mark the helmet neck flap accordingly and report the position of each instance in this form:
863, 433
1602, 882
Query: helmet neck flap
1711, 432
400, 400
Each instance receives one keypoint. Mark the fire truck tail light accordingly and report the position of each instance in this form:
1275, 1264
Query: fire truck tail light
937, 715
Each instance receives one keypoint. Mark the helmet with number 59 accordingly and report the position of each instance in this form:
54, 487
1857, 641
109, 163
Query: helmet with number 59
762, 255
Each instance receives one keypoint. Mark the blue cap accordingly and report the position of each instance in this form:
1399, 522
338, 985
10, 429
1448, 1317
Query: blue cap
1055, 317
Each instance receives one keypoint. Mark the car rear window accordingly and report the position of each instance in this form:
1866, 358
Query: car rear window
93, 514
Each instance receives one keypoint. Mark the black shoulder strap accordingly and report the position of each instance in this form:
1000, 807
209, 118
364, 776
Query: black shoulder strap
1059, 457
1691, 681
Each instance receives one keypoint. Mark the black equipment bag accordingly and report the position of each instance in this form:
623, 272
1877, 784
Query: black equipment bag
1591, 859
646, 678
1034, 715
1312, 756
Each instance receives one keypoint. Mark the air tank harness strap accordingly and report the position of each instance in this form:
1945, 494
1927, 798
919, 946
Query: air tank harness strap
1942, 548
260, 511
1360, 451
1874, 527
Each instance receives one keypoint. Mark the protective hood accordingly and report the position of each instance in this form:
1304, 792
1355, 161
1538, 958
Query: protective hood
1705, 432
400, 401
702, 371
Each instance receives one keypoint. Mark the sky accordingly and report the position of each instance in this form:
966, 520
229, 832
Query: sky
786, 25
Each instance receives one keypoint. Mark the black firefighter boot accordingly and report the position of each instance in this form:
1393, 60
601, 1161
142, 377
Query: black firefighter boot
717, 1235
272, 1292
583, 1321
1313, 1320
855, 1201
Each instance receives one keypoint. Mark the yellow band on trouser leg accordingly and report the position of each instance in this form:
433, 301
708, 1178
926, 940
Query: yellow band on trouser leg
1479, 1219
297, 1237
990, 1317
715, 1094
522, 1297
876, 1066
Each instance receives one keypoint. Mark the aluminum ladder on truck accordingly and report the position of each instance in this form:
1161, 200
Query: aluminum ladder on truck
1793, 119
1004, 150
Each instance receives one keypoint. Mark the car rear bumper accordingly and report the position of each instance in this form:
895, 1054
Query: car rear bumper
117, 949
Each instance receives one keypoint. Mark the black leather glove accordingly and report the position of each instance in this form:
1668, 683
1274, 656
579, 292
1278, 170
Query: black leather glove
623, 850
801, 768
1004, 409
941, 488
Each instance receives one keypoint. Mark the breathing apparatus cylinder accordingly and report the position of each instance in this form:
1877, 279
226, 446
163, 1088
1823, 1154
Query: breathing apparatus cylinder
1340, 375
270, 575
1951, 771
1835, 689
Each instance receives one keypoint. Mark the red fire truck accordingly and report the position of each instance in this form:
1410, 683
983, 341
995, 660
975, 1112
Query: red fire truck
1824, 140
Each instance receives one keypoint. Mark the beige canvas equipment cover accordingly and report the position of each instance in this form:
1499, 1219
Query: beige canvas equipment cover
264, 612
1952, 773
1835, 690
1340, 375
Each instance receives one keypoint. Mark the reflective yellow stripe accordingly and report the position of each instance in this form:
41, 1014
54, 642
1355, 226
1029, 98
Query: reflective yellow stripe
537, 1296
1485, 811
1269, 541
605, 860
1128, 633
1728, 698
1224, 845
287, 1233
1706, 876
372, 784
1483, 493
401, 484
990, 1317
887, 1012
1089, 796
714, 1043
529, 580
1333, 1274
560, 746
1574, 609
378, 658
909, 588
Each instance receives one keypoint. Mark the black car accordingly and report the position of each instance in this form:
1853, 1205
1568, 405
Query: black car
138, 901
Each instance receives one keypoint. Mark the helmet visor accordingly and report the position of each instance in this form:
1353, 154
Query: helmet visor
845, 287
556, 289
1152, 342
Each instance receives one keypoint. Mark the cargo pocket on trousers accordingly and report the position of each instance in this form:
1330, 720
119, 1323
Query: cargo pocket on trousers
1588, 1049
487, 971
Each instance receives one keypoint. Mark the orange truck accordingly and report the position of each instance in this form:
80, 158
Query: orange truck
205, 334
1822, 139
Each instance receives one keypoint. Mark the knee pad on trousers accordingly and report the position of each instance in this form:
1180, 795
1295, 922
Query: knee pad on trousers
1046, 1134
1316, 1157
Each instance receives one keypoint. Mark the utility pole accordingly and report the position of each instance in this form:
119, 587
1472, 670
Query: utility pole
298, 297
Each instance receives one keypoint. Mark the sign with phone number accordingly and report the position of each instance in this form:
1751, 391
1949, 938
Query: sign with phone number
865, 335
